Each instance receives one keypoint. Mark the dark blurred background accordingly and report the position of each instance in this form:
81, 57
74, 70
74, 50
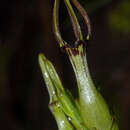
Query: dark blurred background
26, 30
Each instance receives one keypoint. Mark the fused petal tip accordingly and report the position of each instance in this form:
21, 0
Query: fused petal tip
74, 20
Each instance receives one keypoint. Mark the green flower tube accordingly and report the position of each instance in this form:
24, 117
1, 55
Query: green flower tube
93, 107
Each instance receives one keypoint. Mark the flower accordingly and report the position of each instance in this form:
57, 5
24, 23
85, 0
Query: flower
90, 111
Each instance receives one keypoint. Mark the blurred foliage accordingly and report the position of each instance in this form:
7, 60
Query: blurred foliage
92, 5
119, 17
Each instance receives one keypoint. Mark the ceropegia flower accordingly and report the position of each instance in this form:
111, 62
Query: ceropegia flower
92, 112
